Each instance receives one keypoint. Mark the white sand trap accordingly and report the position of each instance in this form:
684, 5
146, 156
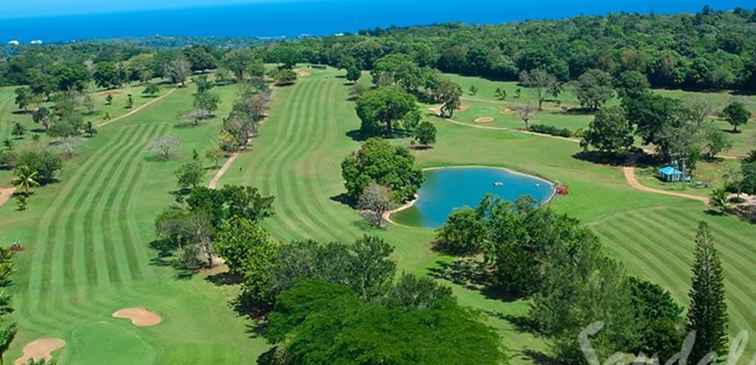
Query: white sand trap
139, 317
484, 120
5, 195
40, 349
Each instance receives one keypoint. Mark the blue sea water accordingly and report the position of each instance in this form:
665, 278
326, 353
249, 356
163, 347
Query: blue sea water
320, 17
446, 190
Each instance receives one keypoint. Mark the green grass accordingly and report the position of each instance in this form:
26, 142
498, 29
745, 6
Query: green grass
87, 253
87, 236
297, 159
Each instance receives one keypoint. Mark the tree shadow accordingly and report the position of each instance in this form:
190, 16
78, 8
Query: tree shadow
224, 278
344, 199
636, 158
578, 111
357, 135
472, 274
540, 358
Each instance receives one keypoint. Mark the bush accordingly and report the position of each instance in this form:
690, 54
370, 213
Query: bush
45, 163
551, 130
463, 233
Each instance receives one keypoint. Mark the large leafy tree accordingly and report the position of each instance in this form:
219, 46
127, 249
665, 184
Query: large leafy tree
707, 313
385, 109
661, 319
449, 95
736, 114
594, 88
610, 131
543, 83
106, 75
242, 62
378, 161
321, 323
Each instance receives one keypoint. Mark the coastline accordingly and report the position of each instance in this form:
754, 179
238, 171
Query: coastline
553, 184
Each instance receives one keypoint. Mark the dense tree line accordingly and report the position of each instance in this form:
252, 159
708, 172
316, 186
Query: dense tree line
535, 253
708, 50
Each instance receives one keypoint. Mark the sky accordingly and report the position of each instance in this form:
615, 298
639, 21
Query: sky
26, 8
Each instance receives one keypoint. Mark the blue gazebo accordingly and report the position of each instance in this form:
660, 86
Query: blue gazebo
671, 174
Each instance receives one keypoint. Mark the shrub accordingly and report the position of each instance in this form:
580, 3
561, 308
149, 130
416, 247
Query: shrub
551, 130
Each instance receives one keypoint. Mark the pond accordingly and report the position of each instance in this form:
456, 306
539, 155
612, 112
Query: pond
448, 189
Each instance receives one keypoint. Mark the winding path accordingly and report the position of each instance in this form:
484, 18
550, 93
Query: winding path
138, 109
629, 172
223, 170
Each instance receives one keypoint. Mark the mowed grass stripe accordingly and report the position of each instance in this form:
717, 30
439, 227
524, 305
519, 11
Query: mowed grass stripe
117, 258
78, 271
98, 270
290, 176
289, 213
299, 169
323, 165
132, 175
42, 264
736, 294
258, 174
737, 263
276, 157
651, 268
733, 240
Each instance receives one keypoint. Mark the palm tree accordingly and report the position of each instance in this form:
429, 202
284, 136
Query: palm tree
25, 179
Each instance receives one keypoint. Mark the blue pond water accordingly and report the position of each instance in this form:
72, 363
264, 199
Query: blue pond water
446, 190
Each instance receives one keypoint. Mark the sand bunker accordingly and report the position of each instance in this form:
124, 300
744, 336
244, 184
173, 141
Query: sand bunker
507, 110
40, 349
303, 72
5, 195
484, 120
139, 317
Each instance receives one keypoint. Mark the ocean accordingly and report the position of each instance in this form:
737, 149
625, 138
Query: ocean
292, 19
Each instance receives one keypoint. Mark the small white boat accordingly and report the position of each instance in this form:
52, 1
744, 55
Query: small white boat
498, 183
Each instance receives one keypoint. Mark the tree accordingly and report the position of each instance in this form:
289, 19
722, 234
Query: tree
205, 105
632, 84
464, 233
285, 76
151, 89
178, 70
736, 114
527, 113
387, 165
241, 62
189, 175
109, 99
543, 83
129, 101
164, 147
214, 154
200, 58
375, 201
473, 90
425, 134
609, 131
106, 75
18, 130
719, 200
316, 322
25, 179
353, 73
384, 109
7, 325
715, 140
89, 103
660, 316
42, 117
45, 163
748, 170
449, 95
24, 98
707, 313
239, 240
594, 88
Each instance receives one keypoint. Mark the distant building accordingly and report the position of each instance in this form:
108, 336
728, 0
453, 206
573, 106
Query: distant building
14, 43
36, 41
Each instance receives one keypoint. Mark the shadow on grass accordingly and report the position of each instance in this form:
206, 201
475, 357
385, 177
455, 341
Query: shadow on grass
224, 278
634, 158
471, 274
540, 358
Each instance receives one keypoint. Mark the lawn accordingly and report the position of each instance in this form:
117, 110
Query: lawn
301, 146
87, 237
87, 253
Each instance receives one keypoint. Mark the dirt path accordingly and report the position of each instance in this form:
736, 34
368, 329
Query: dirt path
632, 180
5, 195
219, 175
137, 110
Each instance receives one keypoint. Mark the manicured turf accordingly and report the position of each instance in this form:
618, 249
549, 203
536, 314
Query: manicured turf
87, 237
297, 159
87, 253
